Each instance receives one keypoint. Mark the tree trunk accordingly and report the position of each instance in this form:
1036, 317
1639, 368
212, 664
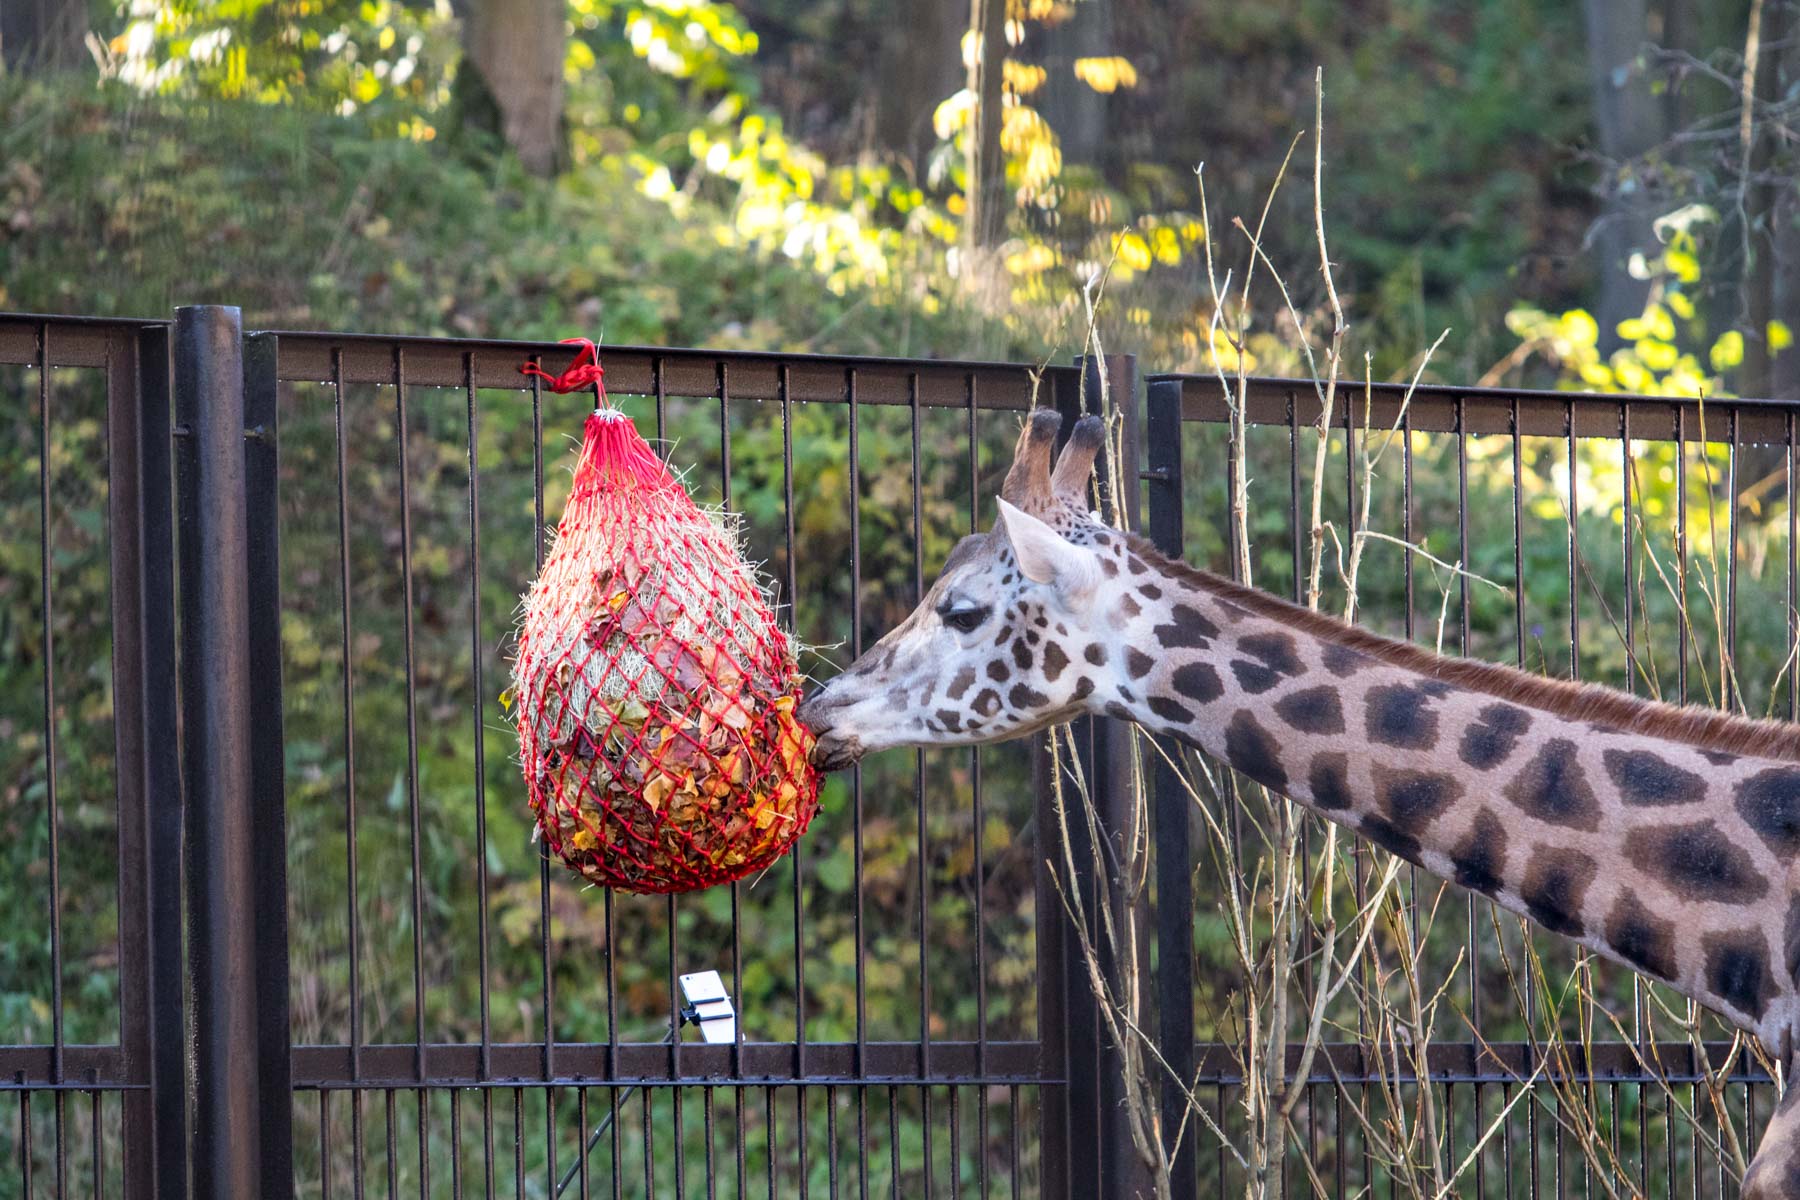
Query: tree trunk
919, 71
1074, 110
1628, 122
1761, 205
43, 35
986, 195
517, 48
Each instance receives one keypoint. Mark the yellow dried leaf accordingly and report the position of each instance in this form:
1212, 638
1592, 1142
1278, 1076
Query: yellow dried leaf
657, 790
584, 839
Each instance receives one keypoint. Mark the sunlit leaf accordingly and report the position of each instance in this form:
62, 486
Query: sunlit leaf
1728, 351
1107, 74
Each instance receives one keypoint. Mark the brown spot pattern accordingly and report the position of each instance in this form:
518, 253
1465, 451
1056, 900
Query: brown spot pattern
1696, 862
1553, 788
1480, 858
1314, 710
1649, 779
1737, 969
1641, 937
1556, 883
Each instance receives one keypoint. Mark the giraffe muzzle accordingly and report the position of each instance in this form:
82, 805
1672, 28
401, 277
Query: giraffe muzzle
833, 750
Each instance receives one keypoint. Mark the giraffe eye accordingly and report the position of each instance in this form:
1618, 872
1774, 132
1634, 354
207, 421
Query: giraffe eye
965, 620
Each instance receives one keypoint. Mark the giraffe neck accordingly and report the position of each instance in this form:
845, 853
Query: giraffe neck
1669, 856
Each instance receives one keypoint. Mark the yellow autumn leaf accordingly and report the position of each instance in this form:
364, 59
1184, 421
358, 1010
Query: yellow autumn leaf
1106, 75
1024, 78
1728, 351
1132, 250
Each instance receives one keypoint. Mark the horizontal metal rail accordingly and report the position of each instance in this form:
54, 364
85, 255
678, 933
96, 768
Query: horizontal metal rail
763, 1064
1437, 408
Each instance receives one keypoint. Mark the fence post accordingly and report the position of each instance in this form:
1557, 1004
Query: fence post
1097, 1099
218, 703
267, 755
1171, 824
152, 1033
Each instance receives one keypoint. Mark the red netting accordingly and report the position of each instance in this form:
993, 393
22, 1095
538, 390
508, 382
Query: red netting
655, 691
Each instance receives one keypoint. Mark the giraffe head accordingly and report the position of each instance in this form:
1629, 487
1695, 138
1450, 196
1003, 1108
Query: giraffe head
997, 647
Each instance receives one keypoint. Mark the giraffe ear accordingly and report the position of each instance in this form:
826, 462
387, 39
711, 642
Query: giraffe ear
1045, 557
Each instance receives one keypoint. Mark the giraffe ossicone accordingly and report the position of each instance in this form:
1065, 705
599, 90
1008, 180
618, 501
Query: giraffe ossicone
1667, 839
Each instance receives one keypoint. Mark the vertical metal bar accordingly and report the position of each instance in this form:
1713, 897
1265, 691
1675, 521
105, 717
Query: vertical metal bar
796, 854
412, 717
1294, 531
1681, 564
712, 1179
546, 988
1793, 567
893, 1124
649, 1148
978, 818
1174, 879
723, 376
53, 863
262, 472
1406, 526
25, 1139
831, 1158
769, 1119
581, 1127
1012, 1125
354, 949
96, 1143
856, 795
613, 1101
1728, 680
478, 709
1518, 481
1627, 465
1056, 1099
518, 1141
140, 525
1462, 647
1574, 551
955, 1146
126, 567
456, 1188
216, 694
661, 412
924, 880
325, 1155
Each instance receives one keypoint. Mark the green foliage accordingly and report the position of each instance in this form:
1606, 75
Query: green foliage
1667, 351
314, 220
332, 55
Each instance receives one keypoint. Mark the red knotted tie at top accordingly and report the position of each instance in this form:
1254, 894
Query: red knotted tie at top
585, 371
655, 690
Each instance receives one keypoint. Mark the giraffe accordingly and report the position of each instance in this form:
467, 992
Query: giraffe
1664, 838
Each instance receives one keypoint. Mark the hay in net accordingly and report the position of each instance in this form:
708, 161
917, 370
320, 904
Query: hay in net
655, 690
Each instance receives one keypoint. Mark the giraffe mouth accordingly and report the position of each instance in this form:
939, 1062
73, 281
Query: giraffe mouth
835, 754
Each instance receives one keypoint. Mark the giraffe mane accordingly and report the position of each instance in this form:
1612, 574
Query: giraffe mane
1704, 729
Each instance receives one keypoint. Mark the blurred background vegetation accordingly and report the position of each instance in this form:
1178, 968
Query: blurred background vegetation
1598, 196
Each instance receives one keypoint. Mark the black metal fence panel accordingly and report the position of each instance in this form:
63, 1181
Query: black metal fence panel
471, 1012
90, 973
1603, 538
390, 991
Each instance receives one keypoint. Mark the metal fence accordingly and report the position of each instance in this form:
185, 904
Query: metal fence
367, 980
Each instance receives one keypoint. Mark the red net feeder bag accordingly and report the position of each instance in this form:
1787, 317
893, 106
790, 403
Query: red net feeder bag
655, 690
